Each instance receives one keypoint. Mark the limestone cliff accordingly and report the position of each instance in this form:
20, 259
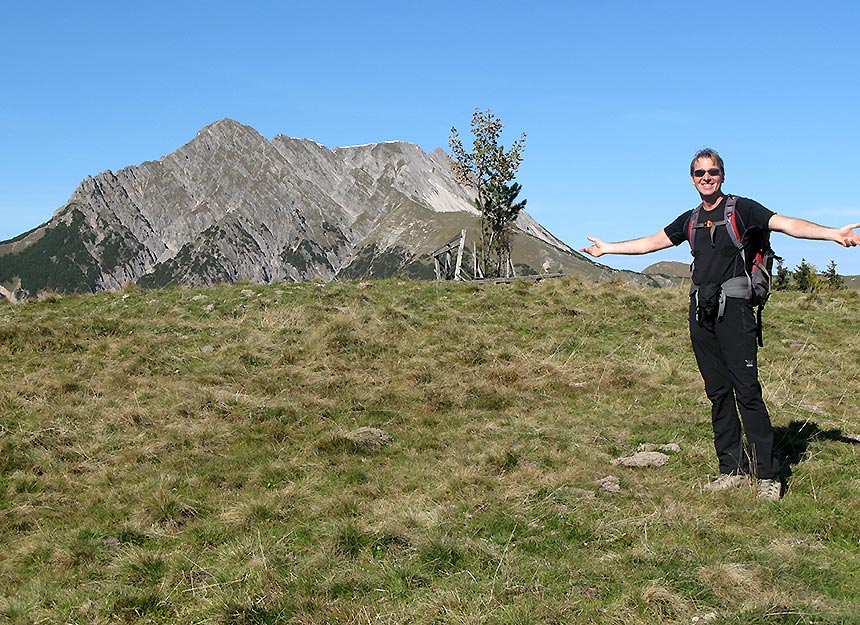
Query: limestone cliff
231, 205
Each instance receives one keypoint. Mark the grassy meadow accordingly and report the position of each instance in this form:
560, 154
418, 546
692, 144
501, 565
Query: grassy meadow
184, 456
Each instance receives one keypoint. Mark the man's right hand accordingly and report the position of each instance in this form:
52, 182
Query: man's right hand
597, 250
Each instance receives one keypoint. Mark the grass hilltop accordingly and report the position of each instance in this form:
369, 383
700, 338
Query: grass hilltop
192, 456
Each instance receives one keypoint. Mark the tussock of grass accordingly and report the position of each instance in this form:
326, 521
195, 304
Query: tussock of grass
189, 456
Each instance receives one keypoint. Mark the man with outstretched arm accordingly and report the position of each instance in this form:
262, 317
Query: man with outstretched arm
725, 343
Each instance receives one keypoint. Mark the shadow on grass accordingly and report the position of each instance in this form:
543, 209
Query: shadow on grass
791, 443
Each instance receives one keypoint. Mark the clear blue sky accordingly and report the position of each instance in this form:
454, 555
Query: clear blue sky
615, 97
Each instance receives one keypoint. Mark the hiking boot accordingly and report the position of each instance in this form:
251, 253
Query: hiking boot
769, 490
727, 481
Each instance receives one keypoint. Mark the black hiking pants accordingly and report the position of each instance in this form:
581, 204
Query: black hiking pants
726, 351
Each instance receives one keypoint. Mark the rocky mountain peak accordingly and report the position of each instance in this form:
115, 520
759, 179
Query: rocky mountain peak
226, 127
230, 205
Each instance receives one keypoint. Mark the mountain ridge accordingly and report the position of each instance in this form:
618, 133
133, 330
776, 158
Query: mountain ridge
230, 205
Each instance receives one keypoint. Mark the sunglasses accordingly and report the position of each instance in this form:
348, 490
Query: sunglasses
711, 172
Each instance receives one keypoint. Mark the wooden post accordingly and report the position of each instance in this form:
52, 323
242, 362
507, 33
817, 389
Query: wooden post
460, 254
445, 268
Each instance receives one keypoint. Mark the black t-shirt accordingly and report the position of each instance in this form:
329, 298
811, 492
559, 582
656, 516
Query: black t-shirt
714, 264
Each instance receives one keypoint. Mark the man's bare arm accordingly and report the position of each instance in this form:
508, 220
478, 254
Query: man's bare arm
644, 245
802, 229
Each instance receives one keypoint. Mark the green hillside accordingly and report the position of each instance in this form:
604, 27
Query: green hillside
191, 456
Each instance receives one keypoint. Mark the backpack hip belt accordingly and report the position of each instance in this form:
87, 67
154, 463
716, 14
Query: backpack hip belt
739, 288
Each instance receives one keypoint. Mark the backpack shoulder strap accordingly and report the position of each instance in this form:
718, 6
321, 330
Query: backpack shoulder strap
732, 222
691, 226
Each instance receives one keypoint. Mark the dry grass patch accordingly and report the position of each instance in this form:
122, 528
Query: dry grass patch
185, 456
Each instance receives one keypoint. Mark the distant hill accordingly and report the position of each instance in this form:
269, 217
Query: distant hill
674, 269
682, 270
232, 206
852, 282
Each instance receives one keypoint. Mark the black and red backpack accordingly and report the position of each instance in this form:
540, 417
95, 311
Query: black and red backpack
753, 245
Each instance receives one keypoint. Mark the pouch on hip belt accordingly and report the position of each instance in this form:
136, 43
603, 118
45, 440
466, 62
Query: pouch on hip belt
710, 303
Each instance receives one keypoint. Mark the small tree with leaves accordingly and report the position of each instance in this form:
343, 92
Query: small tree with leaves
832, 279
782, 277
805, 277
490, 169
501, 210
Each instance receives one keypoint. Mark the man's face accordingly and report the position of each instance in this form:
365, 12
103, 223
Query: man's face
711, 179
